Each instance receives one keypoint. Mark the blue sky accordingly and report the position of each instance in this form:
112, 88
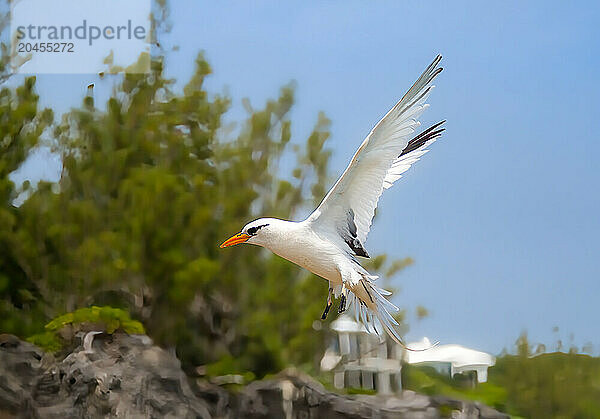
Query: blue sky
502, 216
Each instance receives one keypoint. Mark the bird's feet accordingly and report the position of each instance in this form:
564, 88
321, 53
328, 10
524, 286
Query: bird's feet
326, 311
342, 307
328, 306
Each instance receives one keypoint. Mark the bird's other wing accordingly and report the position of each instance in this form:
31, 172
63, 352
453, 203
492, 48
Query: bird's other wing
347, 210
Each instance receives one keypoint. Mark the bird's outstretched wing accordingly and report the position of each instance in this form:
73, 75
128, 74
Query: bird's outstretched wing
346, 212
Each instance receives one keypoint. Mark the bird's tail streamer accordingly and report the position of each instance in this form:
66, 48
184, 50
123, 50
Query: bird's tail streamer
374, 310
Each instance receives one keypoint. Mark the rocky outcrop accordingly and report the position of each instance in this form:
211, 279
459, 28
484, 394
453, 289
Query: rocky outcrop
108, 375
126, 376
295, 395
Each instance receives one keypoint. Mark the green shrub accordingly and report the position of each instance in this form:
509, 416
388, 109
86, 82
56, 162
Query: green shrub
107, 319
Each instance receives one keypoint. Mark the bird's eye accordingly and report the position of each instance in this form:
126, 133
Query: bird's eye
253, 230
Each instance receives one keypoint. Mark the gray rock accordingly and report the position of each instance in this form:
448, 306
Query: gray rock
295, 395
20, 369
115, 375
127, 376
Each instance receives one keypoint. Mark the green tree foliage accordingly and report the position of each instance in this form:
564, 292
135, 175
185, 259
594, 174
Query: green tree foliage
21, 126
549, 385
427, 380
151, 185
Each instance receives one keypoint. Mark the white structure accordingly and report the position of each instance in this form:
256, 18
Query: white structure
451, 359
360, 359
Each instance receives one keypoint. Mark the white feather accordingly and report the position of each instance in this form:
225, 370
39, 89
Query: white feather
376, 165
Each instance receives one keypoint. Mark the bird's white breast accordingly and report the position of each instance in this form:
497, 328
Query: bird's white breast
302, 246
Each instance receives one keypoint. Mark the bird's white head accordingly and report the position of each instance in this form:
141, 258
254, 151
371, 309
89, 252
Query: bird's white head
260, 232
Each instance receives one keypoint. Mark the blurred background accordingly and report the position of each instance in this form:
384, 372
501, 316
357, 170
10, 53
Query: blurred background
116, 190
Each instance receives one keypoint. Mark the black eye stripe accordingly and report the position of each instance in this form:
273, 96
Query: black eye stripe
253, 230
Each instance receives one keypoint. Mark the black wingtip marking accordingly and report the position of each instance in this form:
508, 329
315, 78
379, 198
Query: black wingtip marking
351, 240
351, 224
427, 135
433, 70
357, 248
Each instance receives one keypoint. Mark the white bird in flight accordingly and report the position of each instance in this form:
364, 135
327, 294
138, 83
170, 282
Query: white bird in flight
329, 241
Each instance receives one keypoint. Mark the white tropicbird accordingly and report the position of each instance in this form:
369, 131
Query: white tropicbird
328, 242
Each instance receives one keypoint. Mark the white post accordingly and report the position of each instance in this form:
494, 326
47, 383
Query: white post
383, 383
338, 379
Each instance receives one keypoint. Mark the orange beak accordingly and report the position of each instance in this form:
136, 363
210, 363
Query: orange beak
237, 239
